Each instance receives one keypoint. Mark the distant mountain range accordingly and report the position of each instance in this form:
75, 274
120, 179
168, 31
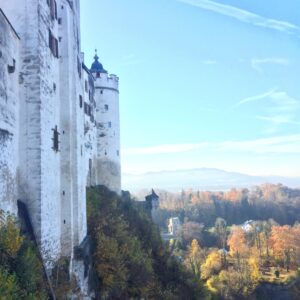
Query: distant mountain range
200, 179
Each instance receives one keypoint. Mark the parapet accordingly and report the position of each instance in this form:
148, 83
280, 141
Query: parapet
107, 81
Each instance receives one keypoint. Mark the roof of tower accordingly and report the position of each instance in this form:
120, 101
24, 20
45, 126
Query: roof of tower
97, 67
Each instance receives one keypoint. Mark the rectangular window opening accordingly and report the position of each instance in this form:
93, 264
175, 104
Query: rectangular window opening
55, 139
53, 44
80, 101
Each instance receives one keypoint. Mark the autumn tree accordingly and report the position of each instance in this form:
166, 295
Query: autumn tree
212, 265
194, 258
283, 244
221, 231
237, 244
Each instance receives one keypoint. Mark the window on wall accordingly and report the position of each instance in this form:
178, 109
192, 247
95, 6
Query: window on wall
80, 101
87, 109
86, 86
53, 8
98, 75
55, 139
53, 44
106, 107
109, 124
79, 67
118, 153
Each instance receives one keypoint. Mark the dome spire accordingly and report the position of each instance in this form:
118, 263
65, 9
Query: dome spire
96, 57
97, 67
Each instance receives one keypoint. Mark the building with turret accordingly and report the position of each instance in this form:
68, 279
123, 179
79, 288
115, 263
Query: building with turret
59, 124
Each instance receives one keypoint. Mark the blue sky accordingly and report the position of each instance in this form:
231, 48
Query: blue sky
202, 83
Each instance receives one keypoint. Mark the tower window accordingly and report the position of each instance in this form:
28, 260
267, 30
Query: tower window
53, 44
79, 67
87, 109
86, 85
109, 124
101, 92
53, 9
106, 107
55, 139
80, 101
118, 153
98, 75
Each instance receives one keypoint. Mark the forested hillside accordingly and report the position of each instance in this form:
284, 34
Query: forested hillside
21, 271
236, 206
130, 259
243, 244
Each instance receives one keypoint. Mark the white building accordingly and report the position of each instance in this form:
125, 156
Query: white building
173, 226
59, 122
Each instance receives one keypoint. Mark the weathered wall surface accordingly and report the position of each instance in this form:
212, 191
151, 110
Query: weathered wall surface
9, 114
39, 171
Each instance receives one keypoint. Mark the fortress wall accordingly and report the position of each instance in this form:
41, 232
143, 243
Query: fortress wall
9, 114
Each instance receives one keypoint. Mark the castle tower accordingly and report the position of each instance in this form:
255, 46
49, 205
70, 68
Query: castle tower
108, 127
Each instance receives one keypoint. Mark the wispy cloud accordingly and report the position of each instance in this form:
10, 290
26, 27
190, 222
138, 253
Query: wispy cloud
258, 97
279, 108
280, 119
245, 16
258, 63
278, 144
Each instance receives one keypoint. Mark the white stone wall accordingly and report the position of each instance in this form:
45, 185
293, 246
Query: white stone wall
68, 100
73, 133
108, 131
39, 167
90, 132
9, 114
